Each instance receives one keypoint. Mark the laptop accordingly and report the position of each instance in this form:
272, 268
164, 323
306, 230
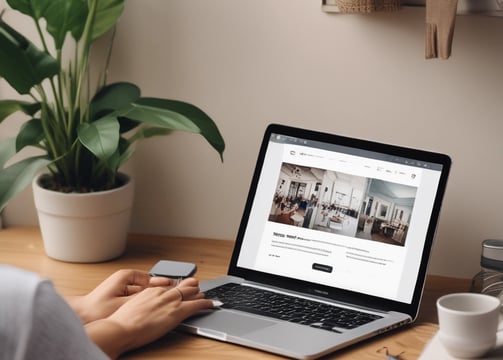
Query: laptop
333, 244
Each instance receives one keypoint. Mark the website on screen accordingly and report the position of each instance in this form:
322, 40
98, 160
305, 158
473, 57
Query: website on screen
339, 219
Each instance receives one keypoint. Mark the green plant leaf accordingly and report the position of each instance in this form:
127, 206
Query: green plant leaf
22, 64
113, 97
32, 8
100, 137
8, 107
107, 15
64, 16
18, 176
30, 134
178, 115
7, 150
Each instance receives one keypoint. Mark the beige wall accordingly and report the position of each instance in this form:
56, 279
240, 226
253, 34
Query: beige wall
248, 63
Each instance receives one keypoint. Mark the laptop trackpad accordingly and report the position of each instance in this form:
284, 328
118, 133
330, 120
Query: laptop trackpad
230, 323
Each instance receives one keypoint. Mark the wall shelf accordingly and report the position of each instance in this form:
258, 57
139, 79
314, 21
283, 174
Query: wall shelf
465, 7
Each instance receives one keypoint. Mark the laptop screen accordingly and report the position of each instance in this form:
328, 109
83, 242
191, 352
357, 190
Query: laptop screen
342, 213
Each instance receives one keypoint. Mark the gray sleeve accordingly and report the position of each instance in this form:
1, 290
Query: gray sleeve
36, 323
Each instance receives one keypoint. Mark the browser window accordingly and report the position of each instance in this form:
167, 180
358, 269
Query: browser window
340, 216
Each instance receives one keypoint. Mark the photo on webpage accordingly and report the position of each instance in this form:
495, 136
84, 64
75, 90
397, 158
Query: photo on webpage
343, 204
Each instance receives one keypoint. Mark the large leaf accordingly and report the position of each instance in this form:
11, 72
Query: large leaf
32, 8
107, 15
157, 116
100, 137
30, 134
113, 97
22, 64
8, 107
18, 176
7, 150
178, 115
64, 16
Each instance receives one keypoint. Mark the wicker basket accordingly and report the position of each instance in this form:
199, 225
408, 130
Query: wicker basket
367, 6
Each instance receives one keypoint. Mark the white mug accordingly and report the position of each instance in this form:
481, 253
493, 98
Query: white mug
468, 323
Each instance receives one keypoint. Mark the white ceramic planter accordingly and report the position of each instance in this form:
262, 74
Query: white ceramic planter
84, 228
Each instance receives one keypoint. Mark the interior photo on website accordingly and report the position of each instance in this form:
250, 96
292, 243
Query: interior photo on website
343, 204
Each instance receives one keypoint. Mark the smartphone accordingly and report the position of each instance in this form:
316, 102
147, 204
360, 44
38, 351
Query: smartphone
173, 269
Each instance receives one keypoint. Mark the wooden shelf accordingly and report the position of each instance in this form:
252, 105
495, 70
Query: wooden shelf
465, 7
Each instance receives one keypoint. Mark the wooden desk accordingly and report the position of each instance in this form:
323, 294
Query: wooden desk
22, 247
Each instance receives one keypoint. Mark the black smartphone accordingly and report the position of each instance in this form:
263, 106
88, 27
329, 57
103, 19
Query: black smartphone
173, 269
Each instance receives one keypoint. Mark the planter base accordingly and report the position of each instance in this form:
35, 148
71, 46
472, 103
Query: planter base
84, 228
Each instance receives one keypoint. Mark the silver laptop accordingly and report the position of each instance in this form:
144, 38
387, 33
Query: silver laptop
333, 244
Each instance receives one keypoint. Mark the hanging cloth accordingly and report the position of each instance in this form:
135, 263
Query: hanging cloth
367, 6
440, 21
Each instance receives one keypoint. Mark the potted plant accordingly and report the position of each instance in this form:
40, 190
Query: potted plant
84, 128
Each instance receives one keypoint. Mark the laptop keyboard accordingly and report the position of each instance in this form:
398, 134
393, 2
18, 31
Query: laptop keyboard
289, 308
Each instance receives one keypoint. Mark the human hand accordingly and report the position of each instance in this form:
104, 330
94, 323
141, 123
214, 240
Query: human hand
147, 316
113, 292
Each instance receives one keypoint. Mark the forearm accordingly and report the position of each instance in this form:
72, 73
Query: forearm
109, 336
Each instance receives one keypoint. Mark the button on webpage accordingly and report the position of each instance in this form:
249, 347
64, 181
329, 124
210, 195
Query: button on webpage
321, 267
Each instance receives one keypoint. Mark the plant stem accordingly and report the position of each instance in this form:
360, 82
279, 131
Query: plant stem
109, 56
82, 69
